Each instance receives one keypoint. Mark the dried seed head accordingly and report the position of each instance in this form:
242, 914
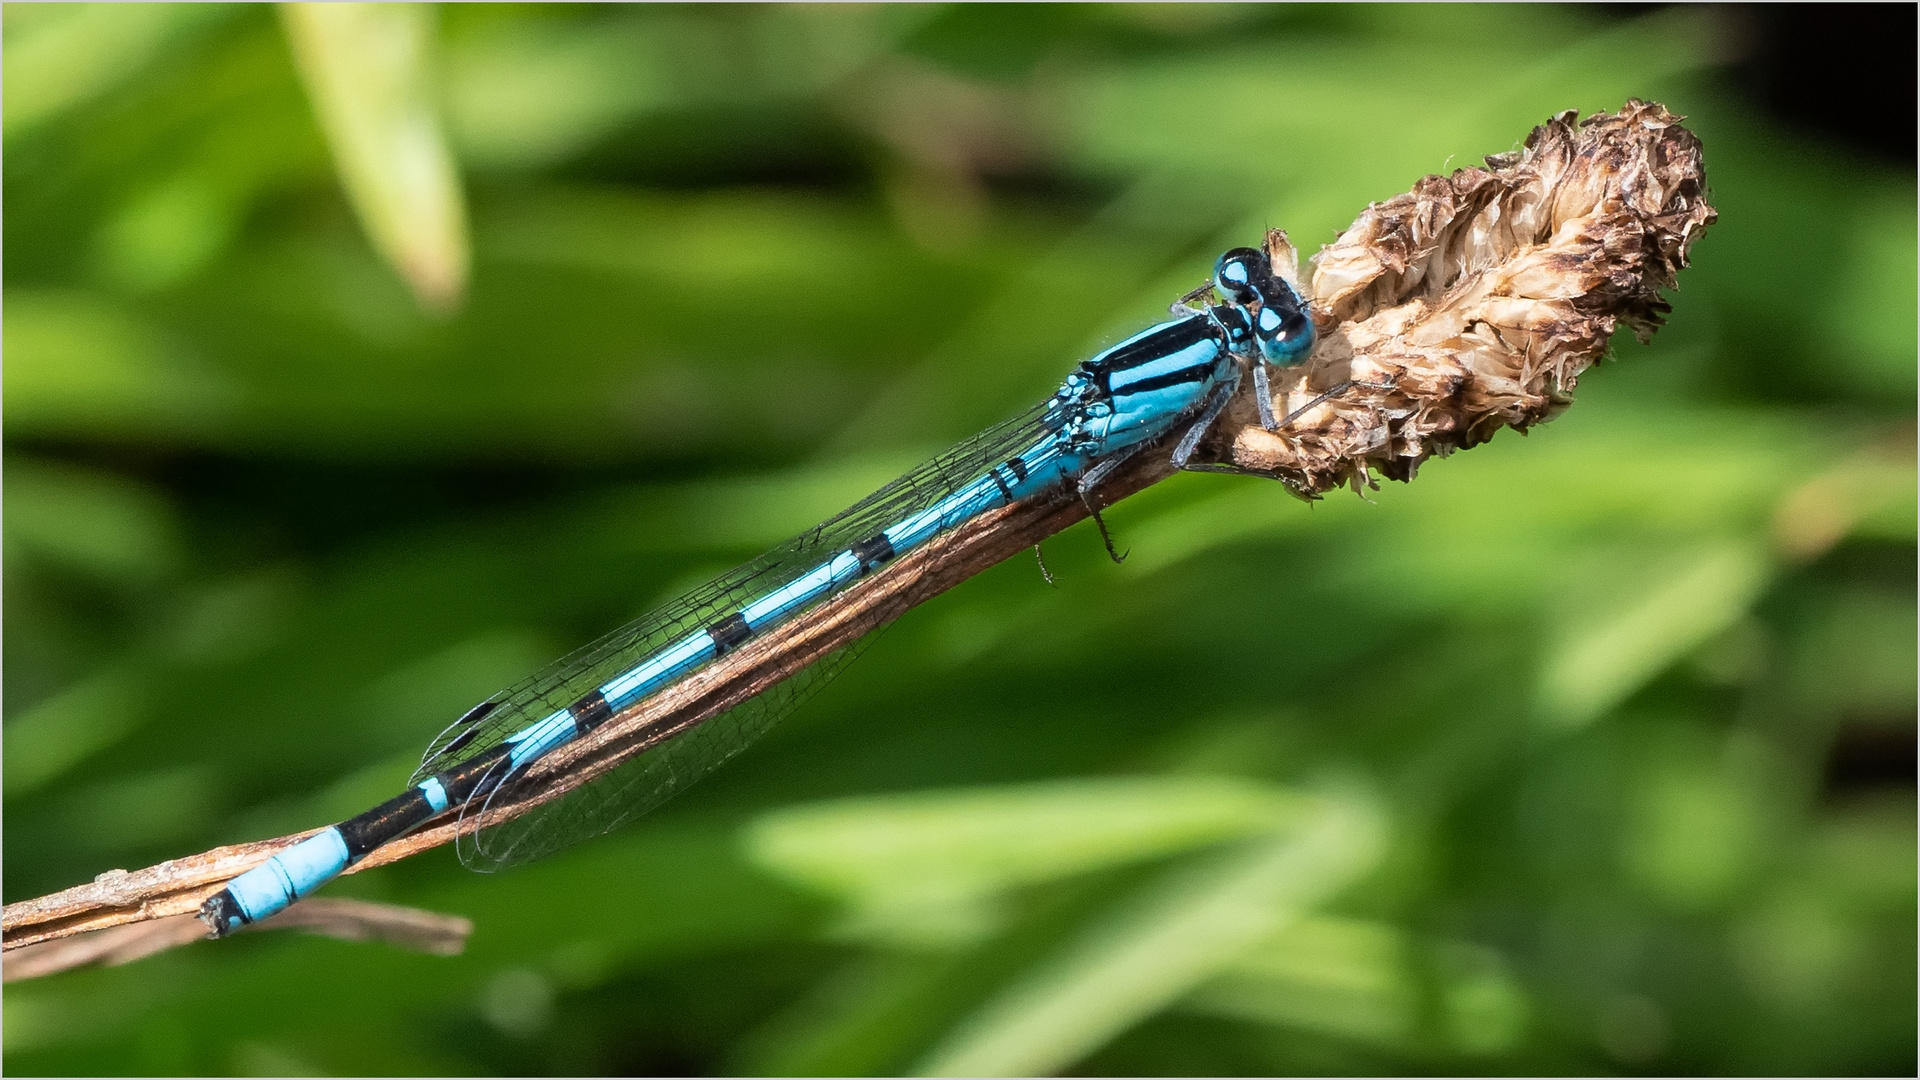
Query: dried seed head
1474, 301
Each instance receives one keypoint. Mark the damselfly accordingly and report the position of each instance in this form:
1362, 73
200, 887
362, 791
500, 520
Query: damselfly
499, 769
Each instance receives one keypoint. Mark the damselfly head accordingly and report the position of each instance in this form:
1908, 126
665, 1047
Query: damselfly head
1280, 323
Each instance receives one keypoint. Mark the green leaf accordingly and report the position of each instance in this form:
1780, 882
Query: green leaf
1160, 944
60, 56
924, 867
80, 365
90, 521
1625, 632
49, 739
366, 69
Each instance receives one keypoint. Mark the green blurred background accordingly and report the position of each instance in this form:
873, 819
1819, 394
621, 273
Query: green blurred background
1589, 752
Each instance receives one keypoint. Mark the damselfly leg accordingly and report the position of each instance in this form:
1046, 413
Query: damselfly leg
1092, 479
1263, 396
1196, 300
1190, 440
1338, 389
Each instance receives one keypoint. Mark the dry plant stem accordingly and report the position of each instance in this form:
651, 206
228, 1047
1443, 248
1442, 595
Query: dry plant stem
414, 929
1474, 301
177, 887
110, 947
348, 920
1469, 304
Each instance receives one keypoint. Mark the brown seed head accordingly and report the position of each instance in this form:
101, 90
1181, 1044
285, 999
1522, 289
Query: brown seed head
1474, 301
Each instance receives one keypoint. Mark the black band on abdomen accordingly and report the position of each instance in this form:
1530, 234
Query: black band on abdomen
390, 820
873, 551
729, 633
590, 712
476, 775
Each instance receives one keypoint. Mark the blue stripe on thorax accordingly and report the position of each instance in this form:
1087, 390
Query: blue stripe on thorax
1148, 397
1153, 343
1200, 354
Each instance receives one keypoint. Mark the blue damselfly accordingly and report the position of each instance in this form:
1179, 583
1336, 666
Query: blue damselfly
514, 769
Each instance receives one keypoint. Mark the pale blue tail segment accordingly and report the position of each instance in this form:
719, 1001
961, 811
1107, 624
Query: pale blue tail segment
272, 886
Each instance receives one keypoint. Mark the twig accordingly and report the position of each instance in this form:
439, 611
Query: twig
348, 920
1470, 304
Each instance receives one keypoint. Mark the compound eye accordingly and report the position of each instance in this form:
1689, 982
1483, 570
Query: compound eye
1281, 322
1290, 339
1240, 272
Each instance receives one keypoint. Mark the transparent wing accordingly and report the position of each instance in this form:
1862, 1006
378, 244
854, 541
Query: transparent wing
492, 836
